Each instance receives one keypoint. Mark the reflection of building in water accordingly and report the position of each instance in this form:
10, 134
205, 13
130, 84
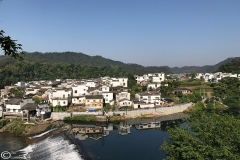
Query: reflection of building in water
123, 128
91, 131
149, 125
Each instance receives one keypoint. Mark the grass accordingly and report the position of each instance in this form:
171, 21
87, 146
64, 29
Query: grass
88, 118
14, 126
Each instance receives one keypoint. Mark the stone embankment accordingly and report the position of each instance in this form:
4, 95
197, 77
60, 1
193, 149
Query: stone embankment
162, 111
154, 112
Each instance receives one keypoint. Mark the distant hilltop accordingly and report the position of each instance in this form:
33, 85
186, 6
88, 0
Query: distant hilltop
78, 58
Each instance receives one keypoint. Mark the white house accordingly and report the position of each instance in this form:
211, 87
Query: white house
58, 101
16, 104
60, 96
122, 95
124, 102
153, 85
108, 96
31, 90
157, 77
43, 110
79, 90
150, 125
105, 88
78, 100
1, 111
90, 83
115, 82
149, 98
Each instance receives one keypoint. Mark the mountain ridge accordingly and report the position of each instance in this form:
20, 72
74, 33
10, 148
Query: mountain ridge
78, 58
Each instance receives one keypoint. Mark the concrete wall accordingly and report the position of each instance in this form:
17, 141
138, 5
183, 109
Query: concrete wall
59, 115
152, 112
129, 114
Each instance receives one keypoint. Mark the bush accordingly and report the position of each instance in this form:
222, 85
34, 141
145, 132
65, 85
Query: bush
80, 118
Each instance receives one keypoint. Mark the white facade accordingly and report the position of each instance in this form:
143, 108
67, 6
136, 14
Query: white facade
149, 98
154, 85
108, 96
123, 82
78, 100
105, 88
31, 90
90, 83
79, 90
59, 95
60, 102
122, 95
124, 102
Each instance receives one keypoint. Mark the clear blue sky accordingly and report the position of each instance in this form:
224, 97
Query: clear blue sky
146, 32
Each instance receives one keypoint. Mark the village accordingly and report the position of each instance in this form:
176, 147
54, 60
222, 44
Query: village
41, 98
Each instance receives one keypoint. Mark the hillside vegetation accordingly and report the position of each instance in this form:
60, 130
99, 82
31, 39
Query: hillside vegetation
201, 69
83, 59
231, 67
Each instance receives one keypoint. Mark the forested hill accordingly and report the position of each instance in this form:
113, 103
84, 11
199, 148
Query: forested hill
83, 59
201, 69
231, 67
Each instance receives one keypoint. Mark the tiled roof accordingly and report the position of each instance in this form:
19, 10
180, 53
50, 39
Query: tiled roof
14, 101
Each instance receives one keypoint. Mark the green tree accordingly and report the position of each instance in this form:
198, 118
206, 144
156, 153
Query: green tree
10, 47
17, 92
208, 136
37, 100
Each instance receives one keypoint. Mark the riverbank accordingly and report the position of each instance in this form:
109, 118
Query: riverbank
18, 127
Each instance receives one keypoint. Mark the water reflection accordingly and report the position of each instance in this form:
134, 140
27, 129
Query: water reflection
100, 130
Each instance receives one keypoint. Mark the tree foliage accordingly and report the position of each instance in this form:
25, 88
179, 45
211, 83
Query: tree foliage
10, 47
208, 135
14, 71
231, 67
228, 89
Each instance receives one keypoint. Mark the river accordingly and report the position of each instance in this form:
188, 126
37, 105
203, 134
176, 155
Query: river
132, 139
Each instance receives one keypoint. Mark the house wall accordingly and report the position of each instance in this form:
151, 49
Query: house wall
123, 82
105, 89
90, 84
25, 101
150, 98
94, 103
78, 100
115, 83
135, 105
122, 95
61, 102
108, 96
125, 103
10, 108
60, 94
1, 111
154, 85
79, 90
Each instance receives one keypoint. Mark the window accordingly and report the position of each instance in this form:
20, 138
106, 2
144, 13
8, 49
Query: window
100, 100
94, 100
75, 91
64, 102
